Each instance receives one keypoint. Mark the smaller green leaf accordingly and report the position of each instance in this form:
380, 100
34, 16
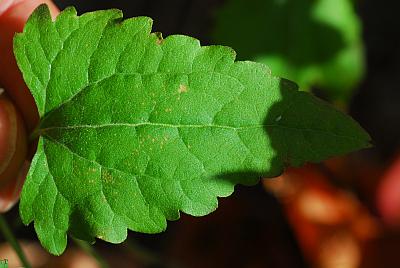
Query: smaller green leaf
135, 128
313, 42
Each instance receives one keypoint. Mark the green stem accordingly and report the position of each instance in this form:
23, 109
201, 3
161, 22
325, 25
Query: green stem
86, 247
5, 229
34, 135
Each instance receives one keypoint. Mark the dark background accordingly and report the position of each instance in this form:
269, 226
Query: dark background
250, 229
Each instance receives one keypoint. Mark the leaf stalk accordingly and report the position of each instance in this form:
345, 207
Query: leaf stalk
12, 240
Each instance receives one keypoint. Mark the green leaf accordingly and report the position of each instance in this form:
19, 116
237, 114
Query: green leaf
135, 128
313, 42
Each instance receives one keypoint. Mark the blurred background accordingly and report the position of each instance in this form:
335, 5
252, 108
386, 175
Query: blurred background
342, 213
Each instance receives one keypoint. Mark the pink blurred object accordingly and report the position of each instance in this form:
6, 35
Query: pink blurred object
13, 153
388, 195
9, 194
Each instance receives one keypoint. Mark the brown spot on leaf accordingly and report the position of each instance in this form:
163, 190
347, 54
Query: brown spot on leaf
159, 39
182, 89
107, 177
